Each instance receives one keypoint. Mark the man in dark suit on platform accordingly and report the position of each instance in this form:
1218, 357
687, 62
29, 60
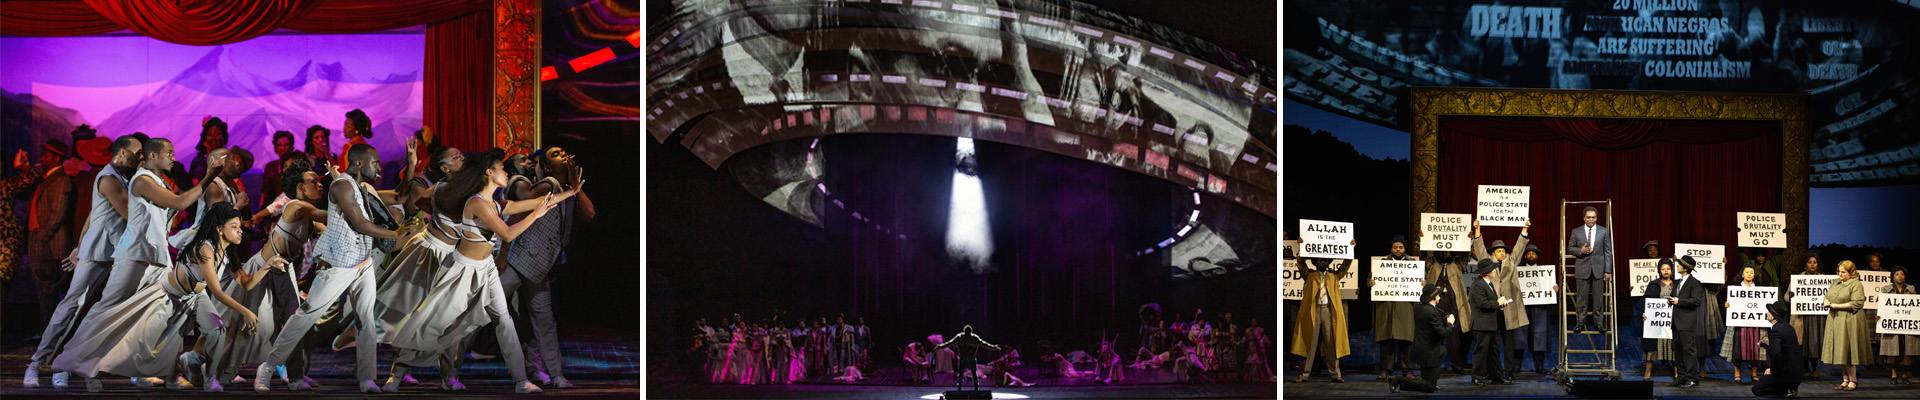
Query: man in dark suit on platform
1783, 356
1593, 245
1430, 329
1688, 295
1487, 323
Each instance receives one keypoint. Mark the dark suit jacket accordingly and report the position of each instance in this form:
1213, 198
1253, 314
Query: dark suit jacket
1783, 353
1591, 266
1486, 305
1686, 313
1429, 335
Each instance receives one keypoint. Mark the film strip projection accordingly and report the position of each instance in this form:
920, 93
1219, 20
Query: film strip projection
1062, 77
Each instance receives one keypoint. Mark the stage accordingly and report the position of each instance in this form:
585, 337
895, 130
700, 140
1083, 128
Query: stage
1364, 385
1236, 390
601, 363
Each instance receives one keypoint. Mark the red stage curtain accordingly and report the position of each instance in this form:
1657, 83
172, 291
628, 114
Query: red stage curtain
459, 87
459, 37
1682, 183
355, 16
202, 22
53, 18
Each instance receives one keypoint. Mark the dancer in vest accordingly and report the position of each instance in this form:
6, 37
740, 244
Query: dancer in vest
531, 257
141, 254
92, 257
344, 270
140, 336
471, 279
264, 284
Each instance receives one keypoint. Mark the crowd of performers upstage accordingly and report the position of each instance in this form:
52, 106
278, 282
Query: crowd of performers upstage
1468, 306
777, 351
182, 278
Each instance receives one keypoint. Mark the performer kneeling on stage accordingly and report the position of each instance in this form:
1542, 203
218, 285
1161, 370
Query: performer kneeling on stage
1431, 326
1783, 356
970, 345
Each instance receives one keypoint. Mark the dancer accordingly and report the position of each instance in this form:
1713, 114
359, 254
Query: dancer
1107, 368
91, 257
471, 278
139, 337
532, 257
140, 254
1259, 347
264, 285
344, 270
919, 368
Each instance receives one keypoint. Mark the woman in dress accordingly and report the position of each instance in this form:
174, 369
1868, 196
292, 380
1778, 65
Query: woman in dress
1845, 343
1658, 349
140, 336
1899, 350
1742, 344
1812, 329
470, 278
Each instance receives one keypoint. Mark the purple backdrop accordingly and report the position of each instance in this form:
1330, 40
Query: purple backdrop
285, 81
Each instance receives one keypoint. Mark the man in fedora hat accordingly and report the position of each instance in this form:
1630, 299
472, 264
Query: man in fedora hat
49, 226
1507, 279
1450, 270
1782, 376
1488, 304
1689, 294
1432, 325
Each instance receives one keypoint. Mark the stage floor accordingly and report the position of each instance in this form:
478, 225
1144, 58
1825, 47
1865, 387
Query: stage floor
1255, 390
600, 364
1536, 386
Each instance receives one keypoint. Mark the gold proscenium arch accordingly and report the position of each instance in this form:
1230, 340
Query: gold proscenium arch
1429, 103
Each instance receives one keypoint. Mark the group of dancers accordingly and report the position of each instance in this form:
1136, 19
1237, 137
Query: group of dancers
775, 352
420, 267
769, 352
1199, 349
1471, 298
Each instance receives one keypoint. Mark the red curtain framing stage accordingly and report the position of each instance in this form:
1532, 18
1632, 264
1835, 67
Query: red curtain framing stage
457, 101
1670, 180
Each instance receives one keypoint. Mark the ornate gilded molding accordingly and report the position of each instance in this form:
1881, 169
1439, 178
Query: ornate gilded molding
1429, 103
516, 77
